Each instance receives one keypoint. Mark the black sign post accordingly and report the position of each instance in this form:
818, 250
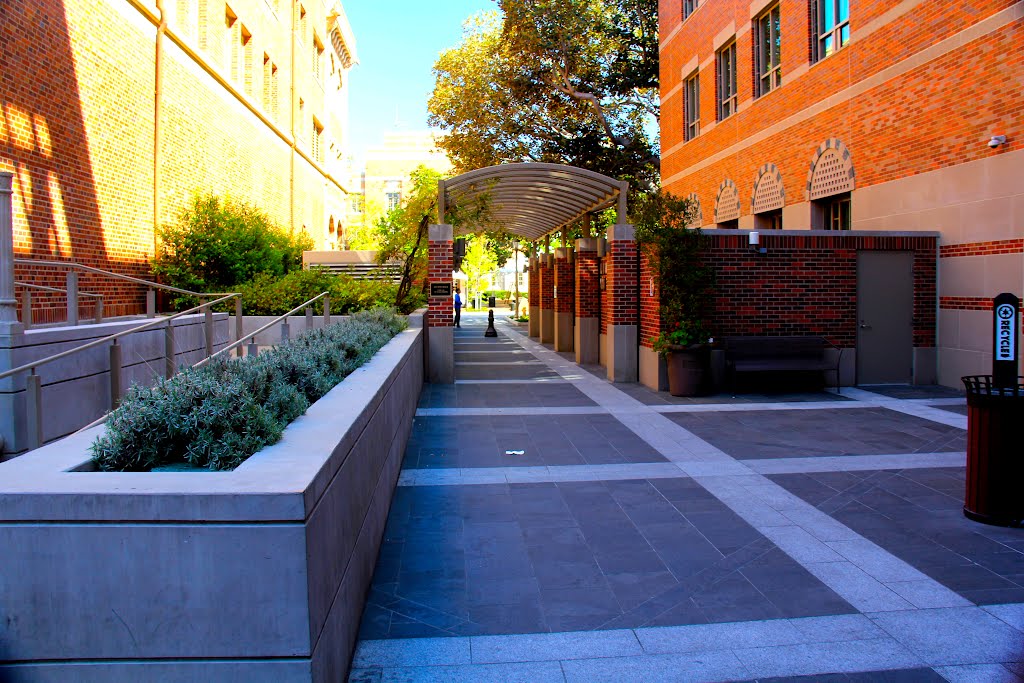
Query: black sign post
1006, 315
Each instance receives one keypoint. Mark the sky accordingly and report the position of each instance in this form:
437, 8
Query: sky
397, 43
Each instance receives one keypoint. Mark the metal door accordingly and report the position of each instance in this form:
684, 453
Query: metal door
885, 317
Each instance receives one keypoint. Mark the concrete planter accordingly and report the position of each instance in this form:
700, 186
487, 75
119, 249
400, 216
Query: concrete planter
259, 574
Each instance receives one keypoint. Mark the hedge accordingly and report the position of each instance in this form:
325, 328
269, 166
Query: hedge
216, 416
268, 295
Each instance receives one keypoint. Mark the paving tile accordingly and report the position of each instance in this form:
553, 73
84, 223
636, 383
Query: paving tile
534, 672
555, 646
411, 652
977, 673
823, 658
728, 636
837, 628
966, 635
858, 588
1012, 614
688, 668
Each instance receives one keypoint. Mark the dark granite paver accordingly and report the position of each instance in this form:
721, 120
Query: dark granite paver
533, 395
906, 391
917, 516
482, 441
802, 433
890, 676
530, 558
959, 410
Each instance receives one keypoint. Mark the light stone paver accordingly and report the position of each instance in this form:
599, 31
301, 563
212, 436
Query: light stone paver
555, 410
907, 619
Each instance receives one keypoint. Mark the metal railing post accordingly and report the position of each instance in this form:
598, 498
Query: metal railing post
33, 410
115, 374
98, 311
26, 308
8, 302
285, 331
238, 318
309, 318
72, 287
208, 315
327, 311
150, 303
253, 348
169, 350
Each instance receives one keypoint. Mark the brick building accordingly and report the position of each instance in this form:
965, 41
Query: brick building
113, 112
875, 116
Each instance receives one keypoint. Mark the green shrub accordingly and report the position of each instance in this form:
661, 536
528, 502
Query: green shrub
217, 416
498, 293
269, 295
215, 245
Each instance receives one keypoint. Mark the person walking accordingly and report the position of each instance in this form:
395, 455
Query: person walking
458, 308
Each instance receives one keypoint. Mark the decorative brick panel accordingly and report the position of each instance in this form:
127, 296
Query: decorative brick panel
650, 304
588, 289
534, 295
565, 283
440, 311
620, 285
547, 285
982, 248
808, 285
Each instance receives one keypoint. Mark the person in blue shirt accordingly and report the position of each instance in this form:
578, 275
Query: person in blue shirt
458, 307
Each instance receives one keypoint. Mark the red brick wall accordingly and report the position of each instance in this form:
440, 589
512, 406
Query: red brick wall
808, 285
565, 283
534, 282
439, 269
547, 287
588, 291
620, 304
650, 315
926, 119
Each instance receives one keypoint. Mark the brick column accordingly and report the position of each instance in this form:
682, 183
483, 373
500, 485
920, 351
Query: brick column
547, 299
440, 312
588, 302
621, 304
534, 324
565, 299
652, 368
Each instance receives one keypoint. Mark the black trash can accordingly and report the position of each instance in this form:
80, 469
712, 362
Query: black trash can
490, 301
995, 452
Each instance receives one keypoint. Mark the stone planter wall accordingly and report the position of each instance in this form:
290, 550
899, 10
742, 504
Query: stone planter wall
259, 574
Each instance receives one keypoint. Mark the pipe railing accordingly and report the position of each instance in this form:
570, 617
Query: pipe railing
33, 383
26, 301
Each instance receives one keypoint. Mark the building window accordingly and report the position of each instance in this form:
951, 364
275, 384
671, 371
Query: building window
244, 75
832, 21
394, 200
836, 212
269, 86
769, 220
767, 44
300, 129
318, 59
692, 104
318, 141
229, 46
726, 58
688, 7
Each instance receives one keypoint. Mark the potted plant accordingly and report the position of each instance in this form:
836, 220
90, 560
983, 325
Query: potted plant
674, 254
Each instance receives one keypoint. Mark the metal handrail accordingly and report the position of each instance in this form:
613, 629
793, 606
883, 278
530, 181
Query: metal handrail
118, 276
251, 337
55, 290
110, 338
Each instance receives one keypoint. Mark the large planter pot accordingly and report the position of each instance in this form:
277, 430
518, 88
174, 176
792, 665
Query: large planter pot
688, 370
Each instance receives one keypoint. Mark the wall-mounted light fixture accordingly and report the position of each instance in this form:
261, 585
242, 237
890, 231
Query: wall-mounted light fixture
602, 247
755, 242
996, 141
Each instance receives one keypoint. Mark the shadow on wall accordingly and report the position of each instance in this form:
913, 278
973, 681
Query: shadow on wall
43, 141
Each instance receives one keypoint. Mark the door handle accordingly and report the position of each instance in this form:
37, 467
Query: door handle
864, 325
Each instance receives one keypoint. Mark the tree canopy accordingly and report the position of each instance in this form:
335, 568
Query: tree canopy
560, 81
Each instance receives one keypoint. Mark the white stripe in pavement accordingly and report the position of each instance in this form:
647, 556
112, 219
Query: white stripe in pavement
462, 476
854, 463
549, 380
917, 409
540, 410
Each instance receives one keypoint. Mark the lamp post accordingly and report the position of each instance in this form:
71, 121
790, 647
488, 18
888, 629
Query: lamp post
515, 256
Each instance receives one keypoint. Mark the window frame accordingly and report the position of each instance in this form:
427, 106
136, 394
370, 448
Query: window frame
691, 106
828, 40
770, 78
838, 212
726, 79
689, 7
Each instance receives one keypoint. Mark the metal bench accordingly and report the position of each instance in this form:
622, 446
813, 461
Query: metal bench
779, 354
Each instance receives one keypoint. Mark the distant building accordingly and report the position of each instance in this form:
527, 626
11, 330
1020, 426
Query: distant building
113, 115
859, 115
389, 167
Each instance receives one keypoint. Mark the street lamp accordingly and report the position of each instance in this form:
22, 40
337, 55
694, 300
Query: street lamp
515, 256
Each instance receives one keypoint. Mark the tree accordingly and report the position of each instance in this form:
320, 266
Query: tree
479, 261
562, 81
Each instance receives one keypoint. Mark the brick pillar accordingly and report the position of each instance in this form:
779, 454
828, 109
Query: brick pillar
534, 324
547, 299
440, 312
621, 304
652, 368
565, 299
588, 302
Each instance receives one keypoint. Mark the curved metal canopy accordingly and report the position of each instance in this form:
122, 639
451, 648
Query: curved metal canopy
531, 200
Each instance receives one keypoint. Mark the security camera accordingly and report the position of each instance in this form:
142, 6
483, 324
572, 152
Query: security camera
996, 141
